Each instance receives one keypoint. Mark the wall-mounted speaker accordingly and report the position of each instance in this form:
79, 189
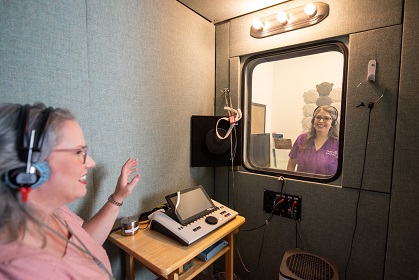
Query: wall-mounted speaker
207, 149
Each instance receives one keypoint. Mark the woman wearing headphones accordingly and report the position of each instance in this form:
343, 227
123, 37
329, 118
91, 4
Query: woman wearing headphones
44, 162
316, 151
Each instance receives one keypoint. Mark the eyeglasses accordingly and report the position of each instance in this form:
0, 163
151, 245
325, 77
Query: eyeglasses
81, 151
326, 119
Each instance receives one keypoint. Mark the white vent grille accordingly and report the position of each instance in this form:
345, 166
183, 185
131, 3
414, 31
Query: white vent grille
297, 264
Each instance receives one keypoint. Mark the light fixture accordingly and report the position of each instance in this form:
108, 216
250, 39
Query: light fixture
289, 20
257, 24
282, 17
310, 9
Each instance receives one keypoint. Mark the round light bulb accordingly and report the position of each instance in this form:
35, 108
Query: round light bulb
282, 17
310, 9
257, 24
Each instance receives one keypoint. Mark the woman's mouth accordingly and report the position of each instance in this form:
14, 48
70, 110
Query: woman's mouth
82, 179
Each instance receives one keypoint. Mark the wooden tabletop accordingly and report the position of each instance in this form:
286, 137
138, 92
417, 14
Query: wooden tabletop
163, 255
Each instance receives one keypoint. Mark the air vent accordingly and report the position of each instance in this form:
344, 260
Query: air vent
297, 264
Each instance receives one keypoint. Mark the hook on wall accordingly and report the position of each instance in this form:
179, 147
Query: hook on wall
372, 66
371, 74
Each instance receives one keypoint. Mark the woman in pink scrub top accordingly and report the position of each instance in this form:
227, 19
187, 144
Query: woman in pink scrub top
44, 162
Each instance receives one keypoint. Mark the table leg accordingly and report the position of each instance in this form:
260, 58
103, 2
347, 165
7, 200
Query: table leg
229, 258
130, 267
174, 275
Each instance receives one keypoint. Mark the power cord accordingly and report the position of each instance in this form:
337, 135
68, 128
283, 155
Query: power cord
143, 222
370, 107
278, 200
297, 232
233, 115
263, 236
232, 157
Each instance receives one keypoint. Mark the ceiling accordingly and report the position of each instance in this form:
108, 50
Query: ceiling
221, 10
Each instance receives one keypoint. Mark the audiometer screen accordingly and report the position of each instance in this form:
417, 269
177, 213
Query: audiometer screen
190, 204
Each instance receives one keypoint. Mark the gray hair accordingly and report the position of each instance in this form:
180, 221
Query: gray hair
13, 212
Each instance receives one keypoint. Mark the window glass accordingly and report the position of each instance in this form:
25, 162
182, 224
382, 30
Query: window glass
294, 109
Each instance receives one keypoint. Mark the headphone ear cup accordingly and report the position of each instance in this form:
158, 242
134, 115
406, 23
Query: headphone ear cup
43, 171
18, 177
15, 177
312, 121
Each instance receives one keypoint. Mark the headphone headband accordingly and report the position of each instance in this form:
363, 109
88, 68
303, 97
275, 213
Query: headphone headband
318, 107
25, 135
22, 138
333, 108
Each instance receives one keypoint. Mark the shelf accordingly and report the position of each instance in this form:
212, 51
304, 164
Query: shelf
200, 265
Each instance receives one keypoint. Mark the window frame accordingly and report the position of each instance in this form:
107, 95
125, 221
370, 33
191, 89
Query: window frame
246, 88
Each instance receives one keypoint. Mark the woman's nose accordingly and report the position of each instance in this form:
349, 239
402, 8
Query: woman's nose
90, 163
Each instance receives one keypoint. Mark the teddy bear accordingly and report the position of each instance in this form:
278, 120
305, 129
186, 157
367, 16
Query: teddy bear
323, 95
324, 90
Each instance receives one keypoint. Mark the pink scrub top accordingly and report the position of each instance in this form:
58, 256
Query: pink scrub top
22, 261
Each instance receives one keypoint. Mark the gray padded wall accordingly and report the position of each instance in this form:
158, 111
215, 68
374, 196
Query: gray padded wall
402, 259
379, 156
329, 213
221, 82
328, 220
147, 81
43, 54
133, 72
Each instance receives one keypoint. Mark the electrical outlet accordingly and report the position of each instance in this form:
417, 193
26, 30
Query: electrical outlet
289, 207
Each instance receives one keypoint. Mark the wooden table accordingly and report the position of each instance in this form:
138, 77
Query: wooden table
166, 257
